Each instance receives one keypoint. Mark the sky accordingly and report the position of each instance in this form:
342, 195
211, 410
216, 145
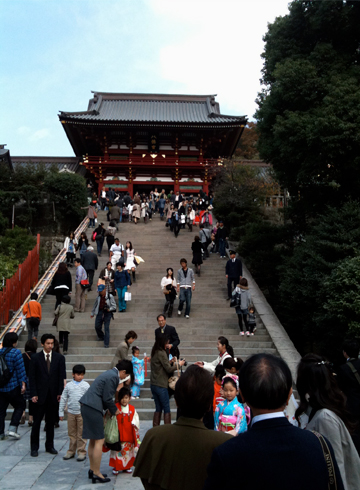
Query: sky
55, 52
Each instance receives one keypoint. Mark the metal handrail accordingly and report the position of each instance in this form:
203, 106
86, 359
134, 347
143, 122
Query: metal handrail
41, 287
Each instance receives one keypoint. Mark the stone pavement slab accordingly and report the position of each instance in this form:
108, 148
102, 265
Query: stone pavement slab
19, 471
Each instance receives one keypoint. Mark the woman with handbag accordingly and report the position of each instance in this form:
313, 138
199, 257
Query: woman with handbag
161, 369
107, 275
63, 313
241, 299
70, 245
61, 283
91, 214
168, 287
83, 243
130, 263
325, 404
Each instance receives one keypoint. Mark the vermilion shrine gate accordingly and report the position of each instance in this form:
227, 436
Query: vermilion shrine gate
132, 141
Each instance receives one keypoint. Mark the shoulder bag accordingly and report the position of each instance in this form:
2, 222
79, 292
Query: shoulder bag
56, 318
174, 379
328, 460
354, 371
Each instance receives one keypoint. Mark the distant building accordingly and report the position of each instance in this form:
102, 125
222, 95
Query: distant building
135, 142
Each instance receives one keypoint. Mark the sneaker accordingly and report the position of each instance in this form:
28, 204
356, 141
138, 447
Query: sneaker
187, 316
115, 472
179, 312
248, 333
241, 333
14, 434
254, 330
68, 456
127, 471
252, 333
2, 437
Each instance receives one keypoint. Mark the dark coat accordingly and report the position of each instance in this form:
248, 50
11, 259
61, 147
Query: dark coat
350, 386
62, 279
233, 269
273, 455
101, 393
41, 381
175, 456
221, 233
171, 334
89, 261
115, 213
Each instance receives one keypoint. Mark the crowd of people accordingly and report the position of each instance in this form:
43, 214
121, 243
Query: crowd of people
230, 414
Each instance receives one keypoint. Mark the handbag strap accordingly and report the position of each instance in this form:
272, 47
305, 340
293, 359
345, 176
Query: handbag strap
177, 367
353, 369
328, 460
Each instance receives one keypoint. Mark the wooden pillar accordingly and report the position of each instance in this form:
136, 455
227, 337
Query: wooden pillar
131, 188
100, 187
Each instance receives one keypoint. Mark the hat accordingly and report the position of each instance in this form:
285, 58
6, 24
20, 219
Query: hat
100, 288
232, 252
221, 221
90, 247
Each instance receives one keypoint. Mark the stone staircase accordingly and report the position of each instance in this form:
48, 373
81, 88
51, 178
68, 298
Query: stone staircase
210, 314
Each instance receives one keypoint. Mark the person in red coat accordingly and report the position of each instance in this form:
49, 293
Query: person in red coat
129, 425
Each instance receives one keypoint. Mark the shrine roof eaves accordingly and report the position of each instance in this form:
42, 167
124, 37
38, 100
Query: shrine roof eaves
152, 108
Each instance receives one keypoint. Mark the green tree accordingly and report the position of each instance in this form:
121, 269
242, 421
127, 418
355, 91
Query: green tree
304, 291
247, 146
68, 192
239, 194
309, 108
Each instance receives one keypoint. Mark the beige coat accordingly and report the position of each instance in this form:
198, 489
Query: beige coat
65, 313
136, 211
121, 353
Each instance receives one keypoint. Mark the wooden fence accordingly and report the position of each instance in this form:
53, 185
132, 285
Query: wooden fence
18, 286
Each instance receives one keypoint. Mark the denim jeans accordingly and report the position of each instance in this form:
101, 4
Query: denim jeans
103, 317
222, 250
161, 398
161, 211
16, 399
121, 295
185, 297
120, 219
92, 223
99, 244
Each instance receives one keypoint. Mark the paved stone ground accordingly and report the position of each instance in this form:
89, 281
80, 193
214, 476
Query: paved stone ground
18, 470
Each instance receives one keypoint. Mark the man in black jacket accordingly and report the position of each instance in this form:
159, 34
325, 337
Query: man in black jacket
221, 236
170, 333
233, 271
90, 263
274, 454
46, 375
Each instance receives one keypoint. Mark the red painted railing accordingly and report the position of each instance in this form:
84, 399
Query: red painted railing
18, 286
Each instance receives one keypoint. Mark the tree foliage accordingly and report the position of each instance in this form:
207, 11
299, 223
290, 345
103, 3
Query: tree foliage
247, 146
309, 291
239, 194
309, 108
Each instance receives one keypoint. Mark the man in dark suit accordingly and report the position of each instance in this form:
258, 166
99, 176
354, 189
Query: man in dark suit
46, 376
273, 454
176, 455
170, 333
233, 271
349, 382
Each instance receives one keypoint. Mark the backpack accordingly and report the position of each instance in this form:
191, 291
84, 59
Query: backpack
5, 374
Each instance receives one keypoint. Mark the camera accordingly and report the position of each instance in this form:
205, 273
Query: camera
185, 363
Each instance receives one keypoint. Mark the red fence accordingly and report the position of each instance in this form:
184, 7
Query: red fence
17, 288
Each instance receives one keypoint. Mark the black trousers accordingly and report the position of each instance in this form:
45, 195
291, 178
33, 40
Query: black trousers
64, 339
49, 409
59, 294
16, 399
231, 287
90, 274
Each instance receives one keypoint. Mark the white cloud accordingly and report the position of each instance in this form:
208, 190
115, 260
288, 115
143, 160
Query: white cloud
33, 136
220, 50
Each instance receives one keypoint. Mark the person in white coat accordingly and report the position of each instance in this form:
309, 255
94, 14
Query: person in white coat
225, 351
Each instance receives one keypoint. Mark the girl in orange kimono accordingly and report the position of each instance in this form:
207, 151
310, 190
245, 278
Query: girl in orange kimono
129, 425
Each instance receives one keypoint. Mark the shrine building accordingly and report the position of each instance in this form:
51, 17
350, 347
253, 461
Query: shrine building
136, 142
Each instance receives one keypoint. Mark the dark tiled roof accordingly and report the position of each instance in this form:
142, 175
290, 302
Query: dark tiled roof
63, 163
153, 108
